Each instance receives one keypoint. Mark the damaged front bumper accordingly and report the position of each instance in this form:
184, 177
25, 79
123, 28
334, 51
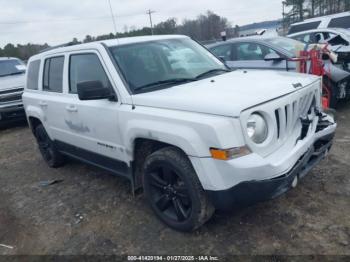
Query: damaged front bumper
250, 192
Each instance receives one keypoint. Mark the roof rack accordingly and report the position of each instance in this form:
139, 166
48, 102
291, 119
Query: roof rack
59, 46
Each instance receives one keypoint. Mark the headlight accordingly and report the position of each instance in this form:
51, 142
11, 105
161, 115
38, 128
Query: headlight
257, 128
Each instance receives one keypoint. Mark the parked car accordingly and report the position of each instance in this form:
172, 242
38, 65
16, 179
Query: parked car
194, 135
341, 20
12, 80
277, 53
333, 36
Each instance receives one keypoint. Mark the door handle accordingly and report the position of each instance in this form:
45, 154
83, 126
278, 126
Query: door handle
43, 104
72, 108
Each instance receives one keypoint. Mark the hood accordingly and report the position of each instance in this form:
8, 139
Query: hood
226, 94
10, 82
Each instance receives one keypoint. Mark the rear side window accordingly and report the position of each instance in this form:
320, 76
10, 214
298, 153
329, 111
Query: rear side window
306, 38
53, 74
86, 68
342, 22
303, 27
224, 51
33, 75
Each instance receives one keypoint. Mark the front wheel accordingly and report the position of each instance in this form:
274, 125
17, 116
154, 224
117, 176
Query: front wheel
173, 190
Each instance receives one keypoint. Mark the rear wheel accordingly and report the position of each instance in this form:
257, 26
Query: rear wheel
173, 190
47, 148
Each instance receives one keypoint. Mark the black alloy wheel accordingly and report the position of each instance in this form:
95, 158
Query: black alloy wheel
169, 193
174, 191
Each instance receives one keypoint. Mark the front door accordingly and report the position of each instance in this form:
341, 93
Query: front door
92, 125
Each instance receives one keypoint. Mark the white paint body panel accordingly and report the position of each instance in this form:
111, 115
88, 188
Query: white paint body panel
195, 117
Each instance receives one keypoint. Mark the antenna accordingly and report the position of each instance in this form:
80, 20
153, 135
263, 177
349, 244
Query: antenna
113, 19
149, 12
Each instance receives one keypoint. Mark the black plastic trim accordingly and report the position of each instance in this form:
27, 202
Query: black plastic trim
112, 165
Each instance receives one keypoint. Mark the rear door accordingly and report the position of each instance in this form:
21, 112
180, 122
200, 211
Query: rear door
52, 98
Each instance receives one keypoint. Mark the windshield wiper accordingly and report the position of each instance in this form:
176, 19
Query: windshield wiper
12, 74
166, 82
211, 72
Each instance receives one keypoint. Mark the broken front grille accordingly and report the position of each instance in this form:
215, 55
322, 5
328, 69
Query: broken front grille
287, 116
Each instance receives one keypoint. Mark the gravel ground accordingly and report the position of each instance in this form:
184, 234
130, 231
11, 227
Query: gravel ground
93, 212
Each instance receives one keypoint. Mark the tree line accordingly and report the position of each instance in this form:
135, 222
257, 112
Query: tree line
303, 9
205, 27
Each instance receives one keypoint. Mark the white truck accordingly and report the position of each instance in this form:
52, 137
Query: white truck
166, 114
12, 81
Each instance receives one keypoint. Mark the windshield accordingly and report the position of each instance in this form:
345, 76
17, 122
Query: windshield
292, 46
11, 67
164, 63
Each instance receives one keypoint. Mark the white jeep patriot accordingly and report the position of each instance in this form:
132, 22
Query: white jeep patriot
166, 114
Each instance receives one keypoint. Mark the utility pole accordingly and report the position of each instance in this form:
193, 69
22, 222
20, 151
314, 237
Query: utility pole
149, 12
113, 19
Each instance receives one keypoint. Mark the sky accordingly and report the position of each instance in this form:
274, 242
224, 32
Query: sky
59, 21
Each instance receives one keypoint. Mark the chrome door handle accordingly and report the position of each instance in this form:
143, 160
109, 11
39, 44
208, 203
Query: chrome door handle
43, 104
72, 109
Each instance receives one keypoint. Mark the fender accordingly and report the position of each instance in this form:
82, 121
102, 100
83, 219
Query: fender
182, 137
36, 112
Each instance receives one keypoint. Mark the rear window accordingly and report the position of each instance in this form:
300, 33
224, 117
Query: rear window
33, 75
341, 22
53, 74
303, 27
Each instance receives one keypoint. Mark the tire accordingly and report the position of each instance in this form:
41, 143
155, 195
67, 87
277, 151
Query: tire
52, 157
173, 190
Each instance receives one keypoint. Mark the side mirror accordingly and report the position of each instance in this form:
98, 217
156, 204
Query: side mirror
273, 57
93, 90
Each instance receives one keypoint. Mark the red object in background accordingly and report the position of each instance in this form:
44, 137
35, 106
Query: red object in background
311, 62
326, 97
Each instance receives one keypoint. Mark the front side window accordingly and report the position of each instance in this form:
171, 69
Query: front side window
159, 64
224, 51
53, 74
10, 67
86, 68
33, 75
